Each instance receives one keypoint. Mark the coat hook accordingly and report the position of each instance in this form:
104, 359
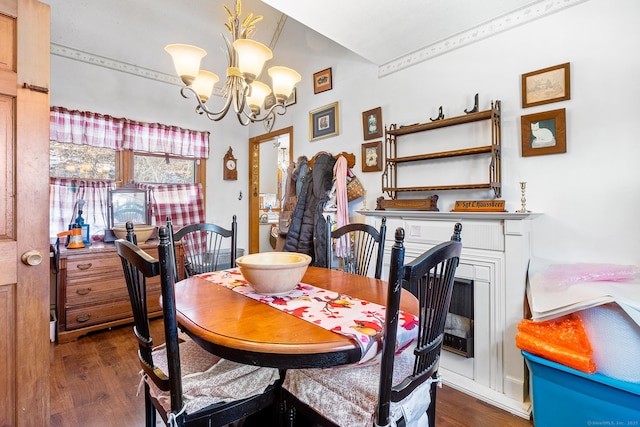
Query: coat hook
440, 115
475, 107
240, 196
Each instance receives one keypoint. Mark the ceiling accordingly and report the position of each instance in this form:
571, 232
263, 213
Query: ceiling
382, 31
130, 36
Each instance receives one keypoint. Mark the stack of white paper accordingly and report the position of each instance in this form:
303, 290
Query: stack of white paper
549, 300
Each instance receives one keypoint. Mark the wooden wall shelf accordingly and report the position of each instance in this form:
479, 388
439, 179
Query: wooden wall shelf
392, 160
453, 121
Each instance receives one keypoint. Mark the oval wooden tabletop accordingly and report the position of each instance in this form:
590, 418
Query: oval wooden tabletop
239, 328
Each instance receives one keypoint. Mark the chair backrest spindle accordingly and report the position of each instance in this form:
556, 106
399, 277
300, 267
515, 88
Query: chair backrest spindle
138, 266
359, 243
202, 246
170, 319
431, 275
162, 367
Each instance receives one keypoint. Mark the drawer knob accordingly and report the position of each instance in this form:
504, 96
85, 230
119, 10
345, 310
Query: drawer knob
84, 266
83, 291
83, 318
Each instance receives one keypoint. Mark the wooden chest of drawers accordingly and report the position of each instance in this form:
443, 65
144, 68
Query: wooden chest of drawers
92, 292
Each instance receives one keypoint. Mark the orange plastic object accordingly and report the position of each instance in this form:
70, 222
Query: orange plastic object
561, 340
76, 238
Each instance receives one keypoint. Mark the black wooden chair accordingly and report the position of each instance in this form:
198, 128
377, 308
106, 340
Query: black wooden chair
202, 247
187, 385
395, 389
360, 243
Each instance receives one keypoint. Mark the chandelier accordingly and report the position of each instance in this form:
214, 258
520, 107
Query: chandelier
242, 90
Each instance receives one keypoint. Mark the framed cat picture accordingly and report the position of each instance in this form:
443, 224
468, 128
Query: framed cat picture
544, 133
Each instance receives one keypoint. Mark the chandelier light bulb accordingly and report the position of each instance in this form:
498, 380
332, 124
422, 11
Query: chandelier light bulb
259, 92
186, 60
283, 80
204, 83
251, 57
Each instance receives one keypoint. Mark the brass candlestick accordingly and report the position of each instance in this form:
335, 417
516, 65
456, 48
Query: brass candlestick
523, 200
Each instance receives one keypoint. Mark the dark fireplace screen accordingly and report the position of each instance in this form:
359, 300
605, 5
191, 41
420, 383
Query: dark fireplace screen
458, 337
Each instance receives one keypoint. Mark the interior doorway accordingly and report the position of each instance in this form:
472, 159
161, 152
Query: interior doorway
269, 157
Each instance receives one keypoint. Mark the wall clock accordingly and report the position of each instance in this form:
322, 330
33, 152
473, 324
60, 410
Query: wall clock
230, 166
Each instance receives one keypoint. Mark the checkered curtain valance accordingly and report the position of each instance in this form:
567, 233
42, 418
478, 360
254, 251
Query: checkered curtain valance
98, 130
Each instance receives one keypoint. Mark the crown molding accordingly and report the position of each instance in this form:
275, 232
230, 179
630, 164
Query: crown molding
488, 29
481, 32
113, 64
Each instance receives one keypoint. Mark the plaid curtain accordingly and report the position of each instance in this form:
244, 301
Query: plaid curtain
158, 138
97, 130
85, 128
184, 203
64, 194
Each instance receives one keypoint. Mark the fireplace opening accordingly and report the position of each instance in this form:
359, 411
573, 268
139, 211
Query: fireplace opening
458, 336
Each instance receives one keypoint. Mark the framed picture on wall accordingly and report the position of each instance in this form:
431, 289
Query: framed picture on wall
547, 85
372, 123
372, 156
544, 133
322, 81
323, 122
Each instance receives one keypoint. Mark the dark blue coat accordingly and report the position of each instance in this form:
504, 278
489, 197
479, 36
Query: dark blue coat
308, 232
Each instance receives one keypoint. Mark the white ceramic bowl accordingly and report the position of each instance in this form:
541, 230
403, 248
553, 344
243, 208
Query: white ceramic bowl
143, 232
273, 273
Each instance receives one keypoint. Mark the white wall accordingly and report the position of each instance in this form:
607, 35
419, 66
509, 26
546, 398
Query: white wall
590, 195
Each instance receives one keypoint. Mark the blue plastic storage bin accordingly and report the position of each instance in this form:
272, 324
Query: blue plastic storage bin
562, 396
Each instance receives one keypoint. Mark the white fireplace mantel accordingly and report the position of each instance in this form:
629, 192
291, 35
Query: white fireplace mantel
495, 255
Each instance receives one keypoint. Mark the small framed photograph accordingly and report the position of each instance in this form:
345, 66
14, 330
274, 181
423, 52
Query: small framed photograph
372, 156
544, 133
323, 122
372, 124
547, 85
322, 81
292, 99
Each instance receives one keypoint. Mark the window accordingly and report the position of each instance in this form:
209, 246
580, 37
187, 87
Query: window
92, 153
86, 162
164, 169
81, 161
82, 172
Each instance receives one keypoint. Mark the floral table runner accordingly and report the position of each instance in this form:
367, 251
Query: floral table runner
360, 320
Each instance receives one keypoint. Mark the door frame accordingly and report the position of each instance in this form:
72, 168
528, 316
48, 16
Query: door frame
254, 181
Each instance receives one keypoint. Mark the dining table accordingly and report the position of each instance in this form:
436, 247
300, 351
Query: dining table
242, 329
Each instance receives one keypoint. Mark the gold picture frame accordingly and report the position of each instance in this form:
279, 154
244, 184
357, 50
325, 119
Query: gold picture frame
372, 156
547, 85
372, 123
544, 133
324, 122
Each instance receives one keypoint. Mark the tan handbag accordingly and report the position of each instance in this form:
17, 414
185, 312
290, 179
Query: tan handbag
355, 189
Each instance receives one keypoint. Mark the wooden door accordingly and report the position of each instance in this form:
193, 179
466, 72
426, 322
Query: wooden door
24, 213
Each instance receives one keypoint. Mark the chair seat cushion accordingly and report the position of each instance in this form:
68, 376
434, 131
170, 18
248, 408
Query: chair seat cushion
348, 395
208, 379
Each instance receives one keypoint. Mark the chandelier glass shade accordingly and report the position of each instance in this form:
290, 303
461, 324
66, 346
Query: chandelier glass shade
242, 91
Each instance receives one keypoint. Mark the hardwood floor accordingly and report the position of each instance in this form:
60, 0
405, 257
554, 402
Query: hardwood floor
94, 382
